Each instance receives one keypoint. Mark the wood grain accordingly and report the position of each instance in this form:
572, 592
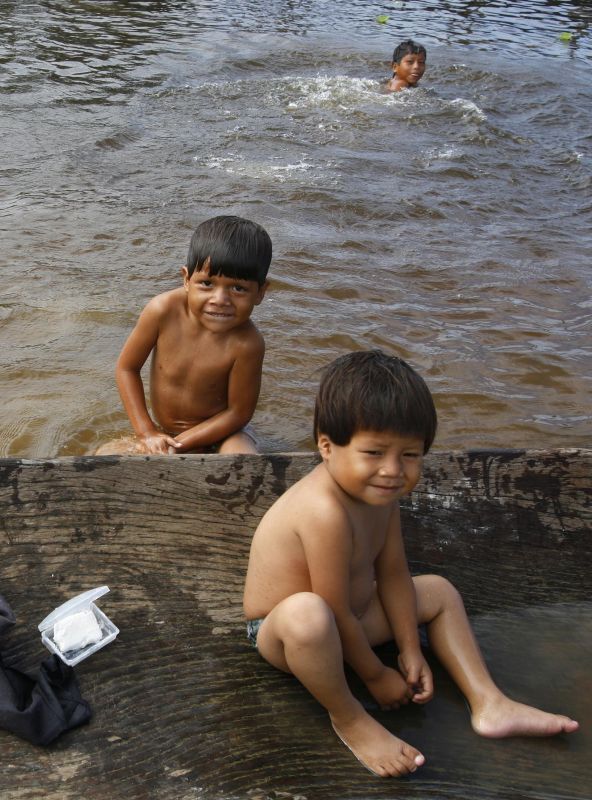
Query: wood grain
184, 708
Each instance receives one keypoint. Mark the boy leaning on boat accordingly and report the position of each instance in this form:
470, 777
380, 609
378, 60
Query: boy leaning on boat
328, 578
207, 354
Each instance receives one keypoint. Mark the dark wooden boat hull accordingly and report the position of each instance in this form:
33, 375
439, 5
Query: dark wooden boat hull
184, 708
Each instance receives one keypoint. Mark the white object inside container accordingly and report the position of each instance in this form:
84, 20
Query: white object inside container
76, 631
78, 628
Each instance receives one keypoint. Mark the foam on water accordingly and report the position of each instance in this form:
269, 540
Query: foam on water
350, 94
468, 109
236, 164
338, 91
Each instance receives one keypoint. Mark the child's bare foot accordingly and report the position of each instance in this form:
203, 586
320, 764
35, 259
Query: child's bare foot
500, 717
378, 750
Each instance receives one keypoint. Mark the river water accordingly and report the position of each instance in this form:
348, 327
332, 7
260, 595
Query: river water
449, 224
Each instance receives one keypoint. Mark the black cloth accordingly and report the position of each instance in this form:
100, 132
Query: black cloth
38, 707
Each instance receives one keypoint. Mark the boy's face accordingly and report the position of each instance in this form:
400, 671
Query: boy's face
410, 68
218, 302
376, 467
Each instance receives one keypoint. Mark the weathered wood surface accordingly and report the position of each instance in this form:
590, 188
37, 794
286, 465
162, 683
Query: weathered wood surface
184, 708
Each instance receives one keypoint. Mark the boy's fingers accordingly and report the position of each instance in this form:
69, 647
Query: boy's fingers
424, 691
412, 677
423, 696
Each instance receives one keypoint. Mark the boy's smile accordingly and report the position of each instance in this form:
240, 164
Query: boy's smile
376, 467
221, 303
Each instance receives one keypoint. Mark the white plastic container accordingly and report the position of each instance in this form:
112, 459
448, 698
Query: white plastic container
81, 602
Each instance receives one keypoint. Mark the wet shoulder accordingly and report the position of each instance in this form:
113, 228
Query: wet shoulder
173, 301
247, 338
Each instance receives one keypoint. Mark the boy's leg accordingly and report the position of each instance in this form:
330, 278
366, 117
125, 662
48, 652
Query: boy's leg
493, 714
240, 442
125, 446
300, 636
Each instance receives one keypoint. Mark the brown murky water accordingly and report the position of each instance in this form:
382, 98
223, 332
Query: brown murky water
449, 224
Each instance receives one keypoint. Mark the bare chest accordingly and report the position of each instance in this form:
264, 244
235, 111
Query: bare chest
369, 529
183, 357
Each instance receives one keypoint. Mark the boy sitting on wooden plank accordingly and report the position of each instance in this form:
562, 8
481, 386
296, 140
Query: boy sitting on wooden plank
328, 578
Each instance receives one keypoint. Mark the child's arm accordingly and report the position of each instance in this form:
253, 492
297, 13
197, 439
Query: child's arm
244, 383
136, 350
327, 540
398, 598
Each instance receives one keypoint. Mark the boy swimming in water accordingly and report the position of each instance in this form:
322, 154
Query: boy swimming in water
328, 578
207, 354
409, 63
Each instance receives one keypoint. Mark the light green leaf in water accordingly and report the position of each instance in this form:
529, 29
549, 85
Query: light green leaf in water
382, 18
566, 36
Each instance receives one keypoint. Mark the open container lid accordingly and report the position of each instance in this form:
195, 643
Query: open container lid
78, 603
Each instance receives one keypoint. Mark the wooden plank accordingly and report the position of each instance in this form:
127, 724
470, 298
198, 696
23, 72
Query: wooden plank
184, 708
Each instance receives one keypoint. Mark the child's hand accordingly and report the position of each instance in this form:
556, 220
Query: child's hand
389, 689
159, 443
418, 676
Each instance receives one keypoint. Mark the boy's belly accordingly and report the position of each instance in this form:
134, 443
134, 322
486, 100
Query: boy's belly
362, 585
175, 416
360, 601
263, 591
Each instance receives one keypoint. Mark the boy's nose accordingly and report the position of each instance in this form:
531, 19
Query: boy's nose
220, 296
391, 467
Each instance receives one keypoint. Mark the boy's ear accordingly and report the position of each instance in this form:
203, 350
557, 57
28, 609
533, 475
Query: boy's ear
324, 445
185, 273
261, 293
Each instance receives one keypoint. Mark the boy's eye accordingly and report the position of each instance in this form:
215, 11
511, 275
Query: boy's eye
373, 452
412, 455
205, 283
238, 288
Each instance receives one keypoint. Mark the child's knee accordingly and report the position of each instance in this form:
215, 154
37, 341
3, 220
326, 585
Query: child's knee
124, 446
308, 618
441, 589
446, 590
238, 444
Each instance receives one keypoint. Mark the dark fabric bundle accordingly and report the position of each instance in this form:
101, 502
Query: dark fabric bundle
39, 707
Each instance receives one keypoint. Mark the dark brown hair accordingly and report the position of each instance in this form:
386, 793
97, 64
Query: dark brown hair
373, 391
406, 48
236, 248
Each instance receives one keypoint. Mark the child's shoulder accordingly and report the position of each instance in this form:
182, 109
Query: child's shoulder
314, 496
163, 304
165, 300
311, 512
247, 338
